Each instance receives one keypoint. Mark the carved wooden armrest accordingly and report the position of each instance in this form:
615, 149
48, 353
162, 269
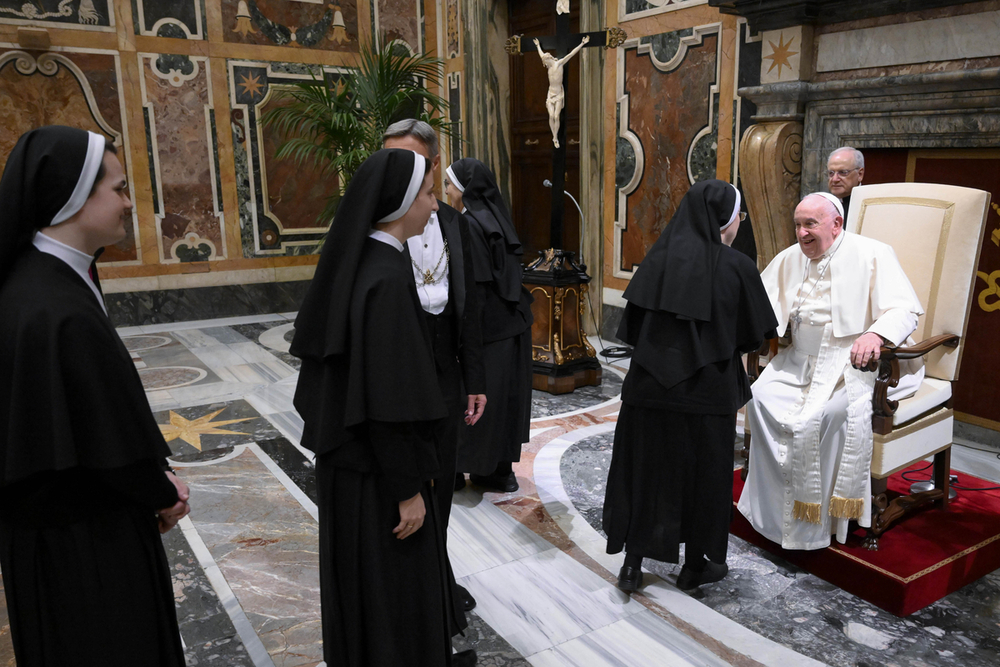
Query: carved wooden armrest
888, 376
754, 369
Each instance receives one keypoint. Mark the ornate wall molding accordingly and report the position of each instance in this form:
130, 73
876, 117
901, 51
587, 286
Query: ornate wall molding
667, 52
191, 233
49, 64
97, 15
181, 19
629, 10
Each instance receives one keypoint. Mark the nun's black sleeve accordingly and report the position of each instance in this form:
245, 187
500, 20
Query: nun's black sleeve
471, 343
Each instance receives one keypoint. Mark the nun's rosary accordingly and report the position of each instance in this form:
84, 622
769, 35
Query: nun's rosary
799, 299
428, 275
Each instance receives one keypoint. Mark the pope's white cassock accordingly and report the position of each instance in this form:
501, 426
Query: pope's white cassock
810, 417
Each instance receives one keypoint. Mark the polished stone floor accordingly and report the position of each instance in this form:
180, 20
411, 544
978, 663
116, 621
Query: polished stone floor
244, 562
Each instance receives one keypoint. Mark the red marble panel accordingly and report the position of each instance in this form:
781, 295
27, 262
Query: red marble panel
296, 194
399, 19
666, 110
36, 95
185, 155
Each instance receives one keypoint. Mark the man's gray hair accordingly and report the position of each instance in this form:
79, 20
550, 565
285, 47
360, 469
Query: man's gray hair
418, 129
859, 157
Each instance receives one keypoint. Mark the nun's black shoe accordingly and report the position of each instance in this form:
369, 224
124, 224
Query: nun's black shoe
505, 483
465, 598
464, 659
459, 481
629, 578
690, 579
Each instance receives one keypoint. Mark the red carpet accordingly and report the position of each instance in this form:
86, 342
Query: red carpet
922, 558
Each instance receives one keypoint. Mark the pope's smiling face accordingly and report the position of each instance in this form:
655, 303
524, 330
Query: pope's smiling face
817, 225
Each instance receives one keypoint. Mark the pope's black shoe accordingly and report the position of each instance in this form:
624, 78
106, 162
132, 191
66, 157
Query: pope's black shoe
504, 483
629, 578
690, 579
464, 658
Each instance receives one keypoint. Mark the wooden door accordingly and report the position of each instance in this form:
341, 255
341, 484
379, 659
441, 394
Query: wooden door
531, 140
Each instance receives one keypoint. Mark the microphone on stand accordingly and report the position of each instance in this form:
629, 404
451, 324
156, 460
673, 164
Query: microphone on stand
547, 183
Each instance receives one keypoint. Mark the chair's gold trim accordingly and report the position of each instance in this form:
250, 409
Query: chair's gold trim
942, 245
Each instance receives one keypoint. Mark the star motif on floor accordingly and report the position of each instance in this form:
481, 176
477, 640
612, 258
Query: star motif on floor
252, 86
190, 431
781, 53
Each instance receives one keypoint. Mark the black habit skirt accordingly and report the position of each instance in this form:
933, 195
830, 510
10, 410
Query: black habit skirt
94, 592
671, 482
384, 600
498, 435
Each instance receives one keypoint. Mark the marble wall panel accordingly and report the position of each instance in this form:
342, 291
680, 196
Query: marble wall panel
295, 23
747, 73
401, 20
183, 157
278, 201
637, 9
453, 30
83, 14
181, 19
667, 132
77, 89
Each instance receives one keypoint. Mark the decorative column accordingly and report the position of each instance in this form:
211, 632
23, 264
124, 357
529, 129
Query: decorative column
771, 150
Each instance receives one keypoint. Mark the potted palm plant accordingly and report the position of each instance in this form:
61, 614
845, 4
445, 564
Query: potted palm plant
336, 123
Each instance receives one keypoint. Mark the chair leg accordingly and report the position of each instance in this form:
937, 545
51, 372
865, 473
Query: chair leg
942, 475
879, 504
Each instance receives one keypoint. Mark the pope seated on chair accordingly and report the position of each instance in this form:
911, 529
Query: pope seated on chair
841, 296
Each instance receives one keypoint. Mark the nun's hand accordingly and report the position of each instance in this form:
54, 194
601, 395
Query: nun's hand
411, 517
169, 516
477, 404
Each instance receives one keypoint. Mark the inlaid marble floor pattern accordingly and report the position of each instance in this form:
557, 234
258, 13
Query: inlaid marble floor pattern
244, 564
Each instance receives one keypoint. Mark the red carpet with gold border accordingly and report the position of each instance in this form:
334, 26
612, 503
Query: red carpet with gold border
922, 558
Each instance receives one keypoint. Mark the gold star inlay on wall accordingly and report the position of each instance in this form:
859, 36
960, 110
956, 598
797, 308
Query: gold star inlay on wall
252, 86
781, 53
190, 431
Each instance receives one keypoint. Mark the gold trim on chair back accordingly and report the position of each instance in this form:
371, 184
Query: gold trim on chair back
936, 232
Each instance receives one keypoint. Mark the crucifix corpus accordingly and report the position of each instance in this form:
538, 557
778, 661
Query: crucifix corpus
562, 357
555, 51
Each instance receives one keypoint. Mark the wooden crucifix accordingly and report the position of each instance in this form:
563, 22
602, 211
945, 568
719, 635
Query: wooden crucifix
555, 51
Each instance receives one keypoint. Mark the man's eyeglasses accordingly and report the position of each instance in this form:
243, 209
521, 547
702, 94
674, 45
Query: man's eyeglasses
842, 173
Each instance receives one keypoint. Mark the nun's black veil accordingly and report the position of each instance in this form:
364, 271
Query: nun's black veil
676, 274
501, 262
377, 189
39, 178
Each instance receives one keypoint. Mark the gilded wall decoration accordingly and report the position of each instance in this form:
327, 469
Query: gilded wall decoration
183, 157
77, 89
668, 110
82, 14
181, 19
280, 202
401, 21
331, 26
637, 9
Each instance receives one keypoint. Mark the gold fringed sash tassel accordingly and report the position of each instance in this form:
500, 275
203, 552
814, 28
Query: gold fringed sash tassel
806, 511
847, 508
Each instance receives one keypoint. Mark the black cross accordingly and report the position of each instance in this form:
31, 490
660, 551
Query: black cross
559, 45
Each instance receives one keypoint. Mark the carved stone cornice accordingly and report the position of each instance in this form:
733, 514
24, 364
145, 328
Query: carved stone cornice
775, 14
787, 100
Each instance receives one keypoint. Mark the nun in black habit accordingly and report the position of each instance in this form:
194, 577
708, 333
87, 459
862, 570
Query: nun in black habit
490, 447
85, 492
372, 408
695, 306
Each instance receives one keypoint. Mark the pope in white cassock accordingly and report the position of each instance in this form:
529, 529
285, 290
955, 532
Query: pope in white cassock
842, 296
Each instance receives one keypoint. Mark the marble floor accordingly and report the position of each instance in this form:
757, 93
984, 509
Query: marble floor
244, 562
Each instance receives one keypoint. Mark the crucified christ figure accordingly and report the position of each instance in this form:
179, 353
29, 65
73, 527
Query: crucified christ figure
556, 98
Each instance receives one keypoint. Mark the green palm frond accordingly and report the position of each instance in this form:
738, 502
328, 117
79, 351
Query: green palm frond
334, 125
